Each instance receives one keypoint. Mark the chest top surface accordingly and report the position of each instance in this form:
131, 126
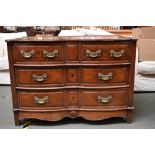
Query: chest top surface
74, 38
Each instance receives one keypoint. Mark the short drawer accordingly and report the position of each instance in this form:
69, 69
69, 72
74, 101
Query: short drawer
105, 52
40, 99
38, 54
39, 77
104, 98
105, 75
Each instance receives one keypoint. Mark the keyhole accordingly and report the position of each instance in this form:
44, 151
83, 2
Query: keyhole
72, 75
73, 97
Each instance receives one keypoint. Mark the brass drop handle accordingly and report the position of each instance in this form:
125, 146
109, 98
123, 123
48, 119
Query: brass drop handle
27, 54
105, 77
115, 54
39, 78
93, 54
47, 54
104, 100
40, 101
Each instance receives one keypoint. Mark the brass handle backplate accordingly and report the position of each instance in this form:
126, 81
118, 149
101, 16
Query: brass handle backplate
27, 54
105, 77
47, 54
39, 78
93, 54
104, 100
115, 54
40, 101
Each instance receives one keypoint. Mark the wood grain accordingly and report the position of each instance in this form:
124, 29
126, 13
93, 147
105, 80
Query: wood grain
72, 85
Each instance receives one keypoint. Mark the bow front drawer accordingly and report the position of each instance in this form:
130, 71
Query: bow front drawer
104, 98
39, 77
105, 76
40, 99
38, 54
105, 52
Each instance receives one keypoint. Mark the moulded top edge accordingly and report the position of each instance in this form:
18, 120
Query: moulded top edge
69, 38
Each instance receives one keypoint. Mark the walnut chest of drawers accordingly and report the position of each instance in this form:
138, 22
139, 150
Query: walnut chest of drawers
56, 77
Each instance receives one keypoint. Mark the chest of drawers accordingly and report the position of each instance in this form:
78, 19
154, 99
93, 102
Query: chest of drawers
57, 77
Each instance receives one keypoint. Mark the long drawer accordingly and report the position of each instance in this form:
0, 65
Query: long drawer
91, 76
73, 98
58, 53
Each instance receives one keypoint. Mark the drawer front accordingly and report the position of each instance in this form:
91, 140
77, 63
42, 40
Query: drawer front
104, 98
40, 99
105, 76
105, 52
38, 54
39, 77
